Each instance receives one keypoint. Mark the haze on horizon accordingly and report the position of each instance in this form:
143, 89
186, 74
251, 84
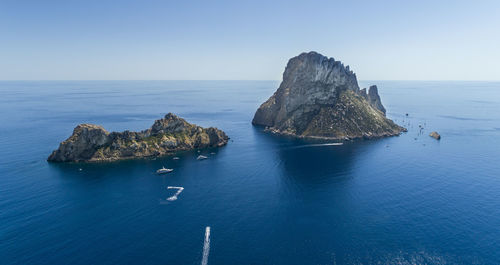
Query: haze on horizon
233, 40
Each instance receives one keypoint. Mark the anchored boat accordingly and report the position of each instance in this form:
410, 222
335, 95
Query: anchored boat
164, 170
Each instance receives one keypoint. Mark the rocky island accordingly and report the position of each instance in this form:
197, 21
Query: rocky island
320, 98
93, 143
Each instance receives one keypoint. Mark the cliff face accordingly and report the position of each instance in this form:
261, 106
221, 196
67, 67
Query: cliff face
93, 143
320, 97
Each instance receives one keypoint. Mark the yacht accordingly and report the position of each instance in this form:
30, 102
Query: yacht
164, 170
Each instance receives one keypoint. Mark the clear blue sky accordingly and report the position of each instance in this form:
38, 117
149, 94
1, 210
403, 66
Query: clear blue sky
402, 40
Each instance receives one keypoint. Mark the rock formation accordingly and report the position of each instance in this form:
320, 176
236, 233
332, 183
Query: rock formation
435, 135
93, 143
320, 98
373, 98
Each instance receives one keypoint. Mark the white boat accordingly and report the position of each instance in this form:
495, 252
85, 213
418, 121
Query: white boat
164, 170
201, 157
176, 158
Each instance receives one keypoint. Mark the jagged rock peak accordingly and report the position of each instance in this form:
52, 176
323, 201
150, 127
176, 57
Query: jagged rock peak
373, 98
320, 97
314, 67
170, 123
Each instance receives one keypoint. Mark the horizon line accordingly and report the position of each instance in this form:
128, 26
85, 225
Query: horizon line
263, 80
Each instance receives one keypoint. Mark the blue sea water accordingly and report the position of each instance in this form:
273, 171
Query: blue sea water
268, 200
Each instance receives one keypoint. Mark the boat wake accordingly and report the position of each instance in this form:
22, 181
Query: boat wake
206, 246
174, 197
314, 145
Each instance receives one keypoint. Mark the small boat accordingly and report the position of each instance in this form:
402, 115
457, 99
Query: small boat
175, 158
201, 157
164, 170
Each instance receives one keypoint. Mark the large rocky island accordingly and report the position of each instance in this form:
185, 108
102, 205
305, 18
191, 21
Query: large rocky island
93, 143
320, 98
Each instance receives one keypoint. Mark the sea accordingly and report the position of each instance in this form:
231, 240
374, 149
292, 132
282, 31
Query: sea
262, 198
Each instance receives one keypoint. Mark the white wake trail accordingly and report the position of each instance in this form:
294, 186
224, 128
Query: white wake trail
314, 145
174, 197
206, 246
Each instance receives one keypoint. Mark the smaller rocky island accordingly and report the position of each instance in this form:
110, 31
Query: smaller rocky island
91, 142
435, 135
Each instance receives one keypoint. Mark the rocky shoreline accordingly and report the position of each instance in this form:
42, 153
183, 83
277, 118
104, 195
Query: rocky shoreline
326, 138
92, 143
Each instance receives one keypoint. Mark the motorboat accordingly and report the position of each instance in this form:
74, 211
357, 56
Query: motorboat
164, 170
201, 157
